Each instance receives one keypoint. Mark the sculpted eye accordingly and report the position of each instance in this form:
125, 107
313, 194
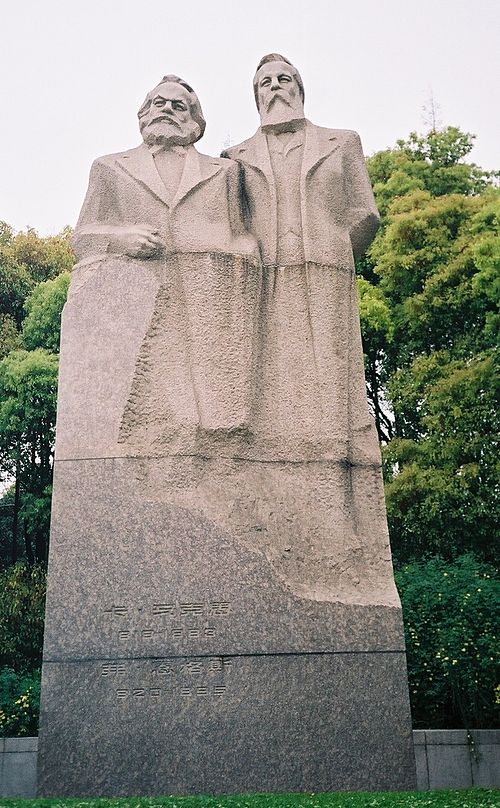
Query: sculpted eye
284, 78
158, 102
179, 105
265, 82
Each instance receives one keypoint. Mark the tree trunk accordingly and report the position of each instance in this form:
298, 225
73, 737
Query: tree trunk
40, 547
15, 520
29, 549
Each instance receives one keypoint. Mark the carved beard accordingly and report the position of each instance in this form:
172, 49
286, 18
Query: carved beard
160, 132
282, 113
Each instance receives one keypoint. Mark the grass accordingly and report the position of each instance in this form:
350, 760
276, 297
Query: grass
467, 798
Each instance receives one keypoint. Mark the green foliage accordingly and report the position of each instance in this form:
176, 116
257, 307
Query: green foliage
42, 325
429, 302
377, 329
375, 314
34, 278
27, 394
19, 703
463, 798
22, 608
442, 476
15, 285
432, 163
40, 258
25, 260
436, 260
451, 613
28, 389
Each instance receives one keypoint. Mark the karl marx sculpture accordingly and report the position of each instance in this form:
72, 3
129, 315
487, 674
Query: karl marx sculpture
166, 206
221, 610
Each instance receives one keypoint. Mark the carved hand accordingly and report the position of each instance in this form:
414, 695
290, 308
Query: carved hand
138, 242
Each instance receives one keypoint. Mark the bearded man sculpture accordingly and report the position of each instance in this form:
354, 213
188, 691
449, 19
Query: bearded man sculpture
167, 211
221, 610
311, 208
310, 205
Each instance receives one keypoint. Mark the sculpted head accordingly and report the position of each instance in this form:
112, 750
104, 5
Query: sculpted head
171, 114
279, 92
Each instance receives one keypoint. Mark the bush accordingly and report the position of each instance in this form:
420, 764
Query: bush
19, 703
22, 609
451, 612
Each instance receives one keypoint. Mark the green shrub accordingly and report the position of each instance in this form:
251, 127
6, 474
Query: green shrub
451, 612
19, 703
22, 609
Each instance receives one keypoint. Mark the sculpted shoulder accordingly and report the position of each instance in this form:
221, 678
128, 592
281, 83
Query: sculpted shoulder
343, 135
110, 159
223, 162
234, 152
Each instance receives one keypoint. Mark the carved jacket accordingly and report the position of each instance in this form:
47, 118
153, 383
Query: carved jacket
125, 189
338, 211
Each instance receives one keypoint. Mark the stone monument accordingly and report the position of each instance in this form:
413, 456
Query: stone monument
221, 610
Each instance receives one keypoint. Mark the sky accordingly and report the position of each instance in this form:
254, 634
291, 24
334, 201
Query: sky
73, 74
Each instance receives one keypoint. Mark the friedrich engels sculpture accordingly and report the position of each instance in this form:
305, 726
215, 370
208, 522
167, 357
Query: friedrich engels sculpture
311, 208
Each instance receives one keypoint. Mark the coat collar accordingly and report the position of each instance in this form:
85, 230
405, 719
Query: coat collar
139, 164
319, 144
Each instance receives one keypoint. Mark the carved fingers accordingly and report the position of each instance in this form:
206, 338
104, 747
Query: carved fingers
141, 242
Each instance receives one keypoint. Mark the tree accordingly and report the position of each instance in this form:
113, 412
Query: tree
26, 260
451, 613
429, 293
43, 307
28, 388
34, 278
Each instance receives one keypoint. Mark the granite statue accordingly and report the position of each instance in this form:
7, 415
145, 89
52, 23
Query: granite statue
166, 207
144, 202
310, 206
221, 610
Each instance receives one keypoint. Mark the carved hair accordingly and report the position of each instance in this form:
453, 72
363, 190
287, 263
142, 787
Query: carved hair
277, 57
194, 104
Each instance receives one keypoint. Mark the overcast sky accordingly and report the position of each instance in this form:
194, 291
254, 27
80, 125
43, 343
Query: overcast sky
74, 72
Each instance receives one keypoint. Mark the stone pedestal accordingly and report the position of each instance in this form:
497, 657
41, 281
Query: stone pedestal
216, 622
176, 661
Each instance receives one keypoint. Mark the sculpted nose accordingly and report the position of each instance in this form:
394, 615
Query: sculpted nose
275, 85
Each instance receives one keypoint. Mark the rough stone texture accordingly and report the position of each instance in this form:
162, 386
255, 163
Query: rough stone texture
220, 571
449, 764
18, 762
133, 553
445, 758
421, 759
485, 771
271, 723
166, 601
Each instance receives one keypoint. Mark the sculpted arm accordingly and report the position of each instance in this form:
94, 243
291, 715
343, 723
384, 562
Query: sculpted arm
237, 206
363, 217
102, 229
235, 199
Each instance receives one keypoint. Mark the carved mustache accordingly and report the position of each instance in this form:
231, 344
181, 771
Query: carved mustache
164, 119
277, 96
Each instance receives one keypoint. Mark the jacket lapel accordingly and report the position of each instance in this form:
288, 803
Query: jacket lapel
197, 169
256, 154
320, 143
139, 165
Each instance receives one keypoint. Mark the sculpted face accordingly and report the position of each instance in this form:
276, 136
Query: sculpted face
166, 120
278, 95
